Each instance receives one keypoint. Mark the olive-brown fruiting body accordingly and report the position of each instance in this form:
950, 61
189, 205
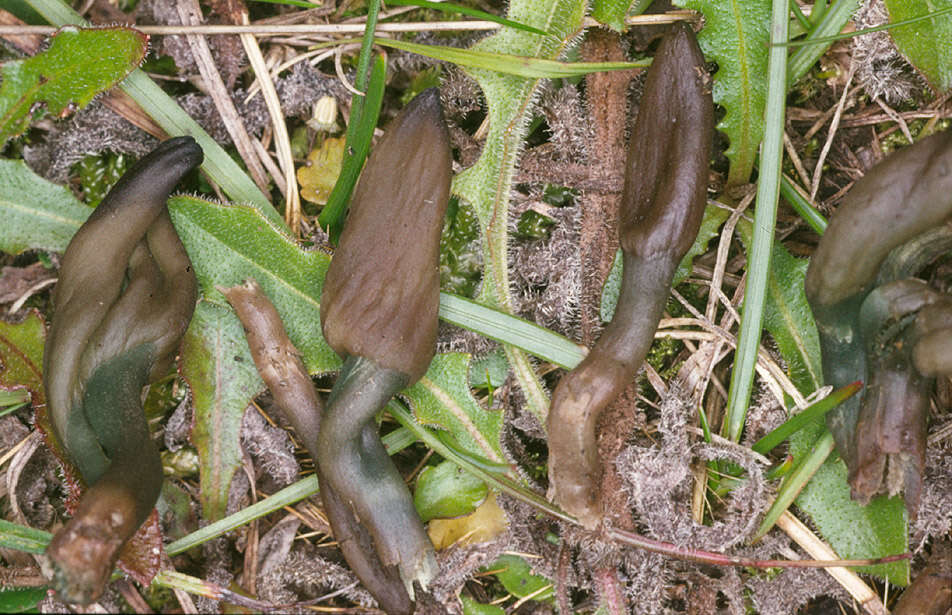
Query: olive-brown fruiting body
379, 312
125, 296
661, 210
880, 325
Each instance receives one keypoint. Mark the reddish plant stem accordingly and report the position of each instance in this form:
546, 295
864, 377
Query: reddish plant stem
610, 591
720, 559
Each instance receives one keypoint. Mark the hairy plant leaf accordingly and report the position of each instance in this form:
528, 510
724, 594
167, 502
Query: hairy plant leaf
78, 64
788, 317
442, 398
229, 243
446, 490
854, 531
926, 44
736, 35
36, 214
219, 369
487, 184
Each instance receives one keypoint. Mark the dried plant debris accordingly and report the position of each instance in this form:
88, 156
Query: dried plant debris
880, 67
270, 447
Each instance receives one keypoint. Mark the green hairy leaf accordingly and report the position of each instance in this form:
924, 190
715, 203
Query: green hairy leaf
78, 64
736, 36
488, 183
37, 214
219, 369
229, 243
442, 398
926, 44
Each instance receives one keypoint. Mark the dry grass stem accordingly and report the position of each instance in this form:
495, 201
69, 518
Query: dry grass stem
190, 13
292, 208
818, 549
834, 125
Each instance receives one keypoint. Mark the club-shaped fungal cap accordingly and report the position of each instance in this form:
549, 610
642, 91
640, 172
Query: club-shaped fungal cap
903, 196
129, 228
663, 201
381, 293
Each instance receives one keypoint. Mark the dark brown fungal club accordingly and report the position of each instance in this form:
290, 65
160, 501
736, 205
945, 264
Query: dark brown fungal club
662, 206
379, 312
125, 296
877, 323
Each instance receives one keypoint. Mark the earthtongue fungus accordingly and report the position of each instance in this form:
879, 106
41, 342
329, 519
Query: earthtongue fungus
125, 296
379, 312
880, 324
283, 372
661, 210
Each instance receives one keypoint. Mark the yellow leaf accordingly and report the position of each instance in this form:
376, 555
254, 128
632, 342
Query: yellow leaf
483, 524
318, 176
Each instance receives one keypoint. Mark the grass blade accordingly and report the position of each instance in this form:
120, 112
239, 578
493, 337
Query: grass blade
447, 7
23, 538
814, 411
530, 68
795, 482
765, 218
360, 132
817, 41
509, 329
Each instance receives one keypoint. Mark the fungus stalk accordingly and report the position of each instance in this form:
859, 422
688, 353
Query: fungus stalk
662, 206
125, 296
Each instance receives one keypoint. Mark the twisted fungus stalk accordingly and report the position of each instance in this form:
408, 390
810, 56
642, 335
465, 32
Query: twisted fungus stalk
662, 206
125, 296
379, 312
284, 374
